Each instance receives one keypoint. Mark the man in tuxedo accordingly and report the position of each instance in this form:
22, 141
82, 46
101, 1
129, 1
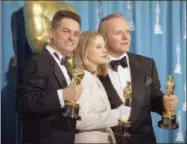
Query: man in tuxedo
45, 86
141, 72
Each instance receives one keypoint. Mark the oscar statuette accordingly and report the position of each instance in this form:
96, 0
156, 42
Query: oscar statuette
124, 126
71, 107
168, 120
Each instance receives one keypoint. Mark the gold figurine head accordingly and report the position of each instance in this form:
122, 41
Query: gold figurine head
170, 86
78, 75
127, 93
70, 64
76, 72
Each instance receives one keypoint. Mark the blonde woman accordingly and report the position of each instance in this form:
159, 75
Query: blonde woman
95, 111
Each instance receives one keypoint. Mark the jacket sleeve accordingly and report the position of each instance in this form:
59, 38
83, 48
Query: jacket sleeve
31, 94
156, 93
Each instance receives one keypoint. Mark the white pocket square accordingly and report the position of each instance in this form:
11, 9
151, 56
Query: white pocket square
148, 80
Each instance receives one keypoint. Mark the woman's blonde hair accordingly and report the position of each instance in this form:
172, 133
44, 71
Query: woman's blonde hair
80, 59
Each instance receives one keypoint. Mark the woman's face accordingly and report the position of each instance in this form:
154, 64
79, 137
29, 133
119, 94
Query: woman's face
96, 52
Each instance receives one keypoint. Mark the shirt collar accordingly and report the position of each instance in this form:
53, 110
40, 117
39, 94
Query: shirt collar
114, 58
52, 50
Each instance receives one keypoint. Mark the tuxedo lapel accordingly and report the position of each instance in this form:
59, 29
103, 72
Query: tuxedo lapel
113, 97
138, 88
137, 81
56, 70
59, 75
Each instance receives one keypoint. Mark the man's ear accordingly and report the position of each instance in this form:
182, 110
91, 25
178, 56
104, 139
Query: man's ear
51, 32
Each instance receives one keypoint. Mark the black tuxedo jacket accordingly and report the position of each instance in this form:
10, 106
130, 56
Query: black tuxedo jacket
38, 102
146, 97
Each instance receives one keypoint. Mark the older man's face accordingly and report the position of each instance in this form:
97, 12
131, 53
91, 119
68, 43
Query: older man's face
118, 36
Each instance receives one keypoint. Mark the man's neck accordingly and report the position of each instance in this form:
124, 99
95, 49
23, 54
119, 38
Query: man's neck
54, 47
114, 57
59, 51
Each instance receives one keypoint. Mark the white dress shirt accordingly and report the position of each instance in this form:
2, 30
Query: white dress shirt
120, 78
63, 69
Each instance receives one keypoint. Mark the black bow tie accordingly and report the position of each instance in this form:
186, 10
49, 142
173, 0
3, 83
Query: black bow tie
114, 63
62, 60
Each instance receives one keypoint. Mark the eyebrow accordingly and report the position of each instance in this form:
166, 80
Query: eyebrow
127, 30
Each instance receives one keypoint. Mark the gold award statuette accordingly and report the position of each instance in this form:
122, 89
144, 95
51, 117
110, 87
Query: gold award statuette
124, 126
168, 120
71, 107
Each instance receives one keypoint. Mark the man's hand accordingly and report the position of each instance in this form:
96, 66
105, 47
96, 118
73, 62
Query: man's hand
72, 92
170, 102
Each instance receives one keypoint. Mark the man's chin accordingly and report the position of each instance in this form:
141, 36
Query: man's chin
103, 62
122, 50
69, 51
125, 50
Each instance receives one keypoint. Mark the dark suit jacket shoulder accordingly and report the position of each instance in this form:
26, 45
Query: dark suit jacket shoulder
147, 66
142, 61
37, 92
38, 103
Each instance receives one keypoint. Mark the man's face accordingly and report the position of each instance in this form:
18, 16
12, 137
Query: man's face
66, 36
118, 36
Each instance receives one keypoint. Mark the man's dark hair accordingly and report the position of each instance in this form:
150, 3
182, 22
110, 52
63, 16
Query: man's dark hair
59, 15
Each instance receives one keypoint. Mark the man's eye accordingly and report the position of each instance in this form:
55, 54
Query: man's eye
77, 34
98, 47
128, 31
118, 33
65, 30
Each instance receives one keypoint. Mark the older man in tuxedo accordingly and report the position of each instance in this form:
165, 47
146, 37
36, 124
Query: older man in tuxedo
45, 86
141, 72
